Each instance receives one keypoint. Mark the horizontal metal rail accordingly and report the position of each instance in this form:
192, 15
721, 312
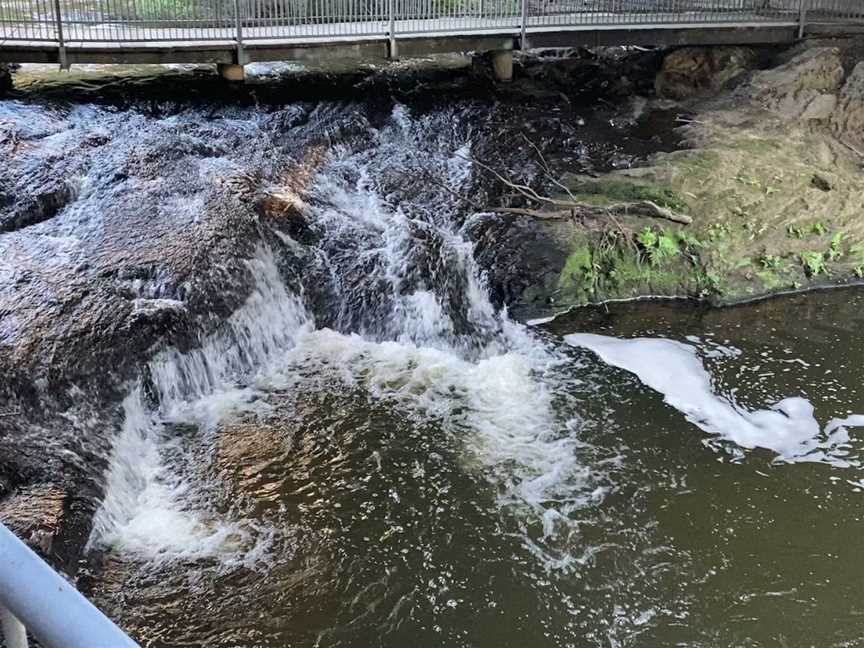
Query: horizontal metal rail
34, 596
65, 22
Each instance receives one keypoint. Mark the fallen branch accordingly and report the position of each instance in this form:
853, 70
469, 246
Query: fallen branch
851, 148
648, 208
534, 213
644, 207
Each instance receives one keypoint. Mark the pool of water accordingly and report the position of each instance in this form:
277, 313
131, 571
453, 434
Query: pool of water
385, 493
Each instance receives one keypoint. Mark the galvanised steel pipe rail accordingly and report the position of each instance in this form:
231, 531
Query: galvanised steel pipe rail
47, 605
62, 22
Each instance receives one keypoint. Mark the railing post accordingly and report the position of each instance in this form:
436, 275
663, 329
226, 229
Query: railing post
523, 35
391, 9
14, 632
61, 43
802, 17
56, 614
238, 22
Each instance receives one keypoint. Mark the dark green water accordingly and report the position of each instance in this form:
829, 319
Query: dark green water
396, 522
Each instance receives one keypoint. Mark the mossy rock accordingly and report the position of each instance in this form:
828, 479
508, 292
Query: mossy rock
611, 265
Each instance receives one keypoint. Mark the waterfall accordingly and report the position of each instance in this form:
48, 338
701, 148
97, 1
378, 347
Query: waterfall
414, 327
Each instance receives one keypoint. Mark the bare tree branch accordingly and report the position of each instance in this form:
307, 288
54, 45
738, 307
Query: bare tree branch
568, 207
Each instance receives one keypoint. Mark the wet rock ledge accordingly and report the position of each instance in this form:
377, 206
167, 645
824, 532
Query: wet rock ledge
767, 185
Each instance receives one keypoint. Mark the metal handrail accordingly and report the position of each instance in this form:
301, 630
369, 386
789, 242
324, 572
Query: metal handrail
47, 605
106, 21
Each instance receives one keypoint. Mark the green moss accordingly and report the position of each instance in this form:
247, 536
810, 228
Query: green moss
578, 278
604, 192
835, 252
610, 264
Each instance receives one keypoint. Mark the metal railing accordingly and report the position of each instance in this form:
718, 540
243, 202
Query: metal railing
121, 21
35, 597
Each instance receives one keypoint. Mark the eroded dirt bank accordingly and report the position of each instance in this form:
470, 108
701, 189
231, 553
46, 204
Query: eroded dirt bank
768, 184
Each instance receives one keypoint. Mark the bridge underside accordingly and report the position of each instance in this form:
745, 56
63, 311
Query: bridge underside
368, 48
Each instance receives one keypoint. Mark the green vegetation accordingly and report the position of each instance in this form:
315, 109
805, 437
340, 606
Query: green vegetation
653, 260
819, 228
718, 231
657, 245
770, 262
835, 252
814, 263
759, 222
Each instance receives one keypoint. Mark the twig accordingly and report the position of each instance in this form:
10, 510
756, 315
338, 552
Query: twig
651, 209
547, 170
851, 148
646, 207
534, 213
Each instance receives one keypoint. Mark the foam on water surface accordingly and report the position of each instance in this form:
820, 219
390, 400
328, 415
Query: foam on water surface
787, 427
418, 331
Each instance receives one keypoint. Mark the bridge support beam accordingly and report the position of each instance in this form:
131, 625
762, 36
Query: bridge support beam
502, 64
231, 71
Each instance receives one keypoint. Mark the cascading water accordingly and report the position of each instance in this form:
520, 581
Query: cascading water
333, 437
149, 507
415, 327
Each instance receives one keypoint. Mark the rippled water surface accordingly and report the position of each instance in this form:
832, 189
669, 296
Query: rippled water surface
366, 450
390, 493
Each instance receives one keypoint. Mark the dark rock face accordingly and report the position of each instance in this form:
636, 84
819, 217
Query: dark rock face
117, 237
5, 79
693, 71
522, 261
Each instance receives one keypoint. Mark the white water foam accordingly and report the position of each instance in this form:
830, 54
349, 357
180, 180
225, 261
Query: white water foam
149, 510
146, 511
497, 405
489, 393
674, 369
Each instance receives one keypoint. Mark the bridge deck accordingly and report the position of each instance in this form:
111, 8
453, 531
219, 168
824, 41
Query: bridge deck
90, 35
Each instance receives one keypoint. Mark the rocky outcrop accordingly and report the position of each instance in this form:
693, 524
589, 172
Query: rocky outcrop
803, 88
696, 71
771, 177
119, 235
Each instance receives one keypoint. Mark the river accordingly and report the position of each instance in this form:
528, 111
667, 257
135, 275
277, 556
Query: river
316, 426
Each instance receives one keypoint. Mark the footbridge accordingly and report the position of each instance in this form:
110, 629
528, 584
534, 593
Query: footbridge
232, 33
